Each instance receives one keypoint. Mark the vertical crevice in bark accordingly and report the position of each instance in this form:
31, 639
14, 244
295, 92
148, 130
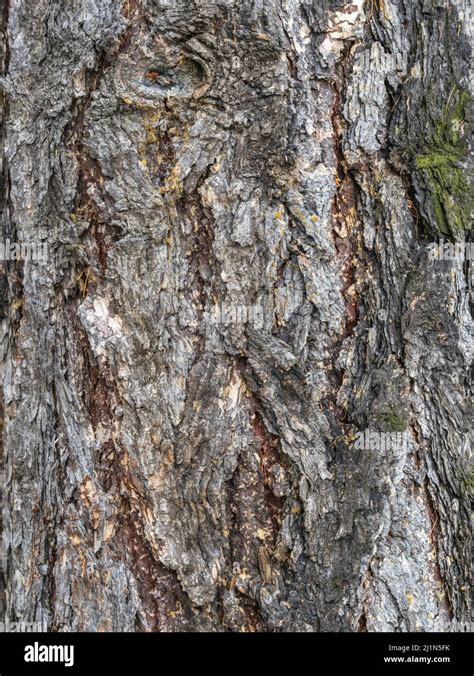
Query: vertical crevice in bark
5, 229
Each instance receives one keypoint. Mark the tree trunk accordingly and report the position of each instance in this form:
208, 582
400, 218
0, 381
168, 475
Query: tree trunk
233, 367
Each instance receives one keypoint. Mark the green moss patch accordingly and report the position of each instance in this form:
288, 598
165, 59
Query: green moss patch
393, 420
439, 166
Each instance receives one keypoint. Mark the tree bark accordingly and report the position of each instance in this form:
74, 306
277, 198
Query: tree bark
233, 392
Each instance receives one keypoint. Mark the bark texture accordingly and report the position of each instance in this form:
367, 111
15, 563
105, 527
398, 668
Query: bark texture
169, 471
